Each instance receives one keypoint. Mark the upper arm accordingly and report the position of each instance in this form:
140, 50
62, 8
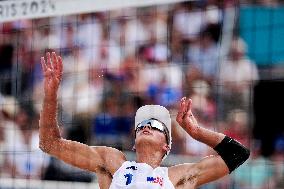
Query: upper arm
86, 157
208, 169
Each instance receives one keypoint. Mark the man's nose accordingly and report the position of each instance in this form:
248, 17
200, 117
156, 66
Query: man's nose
147, 127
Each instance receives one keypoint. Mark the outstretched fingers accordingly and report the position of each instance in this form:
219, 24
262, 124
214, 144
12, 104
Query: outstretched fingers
48, 61
45, 68
183, 105
182, 110
54, 61
43, 65
59, 64
188, 107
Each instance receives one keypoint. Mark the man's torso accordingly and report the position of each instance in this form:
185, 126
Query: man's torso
139, 176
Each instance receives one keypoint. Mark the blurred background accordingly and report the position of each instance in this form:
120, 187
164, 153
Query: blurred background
227, 56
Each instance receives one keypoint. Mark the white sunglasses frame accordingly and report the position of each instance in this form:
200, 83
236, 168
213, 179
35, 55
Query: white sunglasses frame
157, 125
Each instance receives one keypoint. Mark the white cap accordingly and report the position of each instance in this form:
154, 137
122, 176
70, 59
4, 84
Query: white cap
154, 111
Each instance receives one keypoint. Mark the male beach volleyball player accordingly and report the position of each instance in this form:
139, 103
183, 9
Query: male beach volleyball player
152, 144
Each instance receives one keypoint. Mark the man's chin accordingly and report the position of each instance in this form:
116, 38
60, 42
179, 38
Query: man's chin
146, 140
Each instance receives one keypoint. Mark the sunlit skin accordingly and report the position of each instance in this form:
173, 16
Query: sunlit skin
149, 141
150, 136
150, 144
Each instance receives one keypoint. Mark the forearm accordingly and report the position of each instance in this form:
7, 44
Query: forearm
48, 126
206, 136
232, 152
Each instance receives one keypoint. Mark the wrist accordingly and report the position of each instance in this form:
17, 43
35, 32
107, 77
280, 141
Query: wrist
192, 130
50, 97
50, 101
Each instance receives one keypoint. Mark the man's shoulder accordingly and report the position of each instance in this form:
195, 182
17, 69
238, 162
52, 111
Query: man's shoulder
112, 157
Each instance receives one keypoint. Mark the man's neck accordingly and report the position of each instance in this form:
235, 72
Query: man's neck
152, 158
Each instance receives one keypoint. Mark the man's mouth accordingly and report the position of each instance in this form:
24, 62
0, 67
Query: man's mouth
146, 132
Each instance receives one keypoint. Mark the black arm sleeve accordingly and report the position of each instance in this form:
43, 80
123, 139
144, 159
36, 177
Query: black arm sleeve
232, 152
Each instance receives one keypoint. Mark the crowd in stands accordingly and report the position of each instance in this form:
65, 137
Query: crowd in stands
116, 61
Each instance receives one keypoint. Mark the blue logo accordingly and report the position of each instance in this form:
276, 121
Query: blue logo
128, 177
150, 179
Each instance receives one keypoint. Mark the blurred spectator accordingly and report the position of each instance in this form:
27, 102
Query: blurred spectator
154, 52
205, 111
257, 173
278, 159
113, 126
203, 103
6, 65
59, 170
195, 148
23, 159
162, 88
238, 75
150, 24
188, 21
279, 145
204, 56
2, 134
68, 39
48, 38
191, 74
131, 70
88, 34
83, 82
162, 93
178, 134
237, 126
269, 3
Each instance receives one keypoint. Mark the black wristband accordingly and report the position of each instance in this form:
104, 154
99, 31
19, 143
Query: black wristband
232, 152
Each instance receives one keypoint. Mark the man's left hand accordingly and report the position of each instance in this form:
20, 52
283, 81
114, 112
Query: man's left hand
185, 117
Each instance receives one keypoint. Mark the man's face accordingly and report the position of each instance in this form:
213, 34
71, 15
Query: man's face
149, 134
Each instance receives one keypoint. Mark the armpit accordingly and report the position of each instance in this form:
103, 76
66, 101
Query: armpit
190, 179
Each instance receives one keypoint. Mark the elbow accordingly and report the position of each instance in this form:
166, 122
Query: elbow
45, 146
232, 152
48, 145
238, 160
48, 140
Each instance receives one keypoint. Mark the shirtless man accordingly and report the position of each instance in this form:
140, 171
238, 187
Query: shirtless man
152, 144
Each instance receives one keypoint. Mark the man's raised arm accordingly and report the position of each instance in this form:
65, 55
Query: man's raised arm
231, 153
75, 153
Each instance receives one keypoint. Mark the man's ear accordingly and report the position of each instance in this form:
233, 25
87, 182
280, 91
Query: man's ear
133, 148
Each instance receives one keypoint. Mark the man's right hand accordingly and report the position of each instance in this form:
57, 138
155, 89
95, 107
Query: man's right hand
52, 69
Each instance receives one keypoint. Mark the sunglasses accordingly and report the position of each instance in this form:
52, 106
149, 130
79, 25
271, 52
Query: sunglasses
154, 124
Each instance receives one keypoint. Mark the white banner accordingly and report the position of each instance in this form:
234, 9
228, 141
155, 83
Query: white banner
6, 183
11, 10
